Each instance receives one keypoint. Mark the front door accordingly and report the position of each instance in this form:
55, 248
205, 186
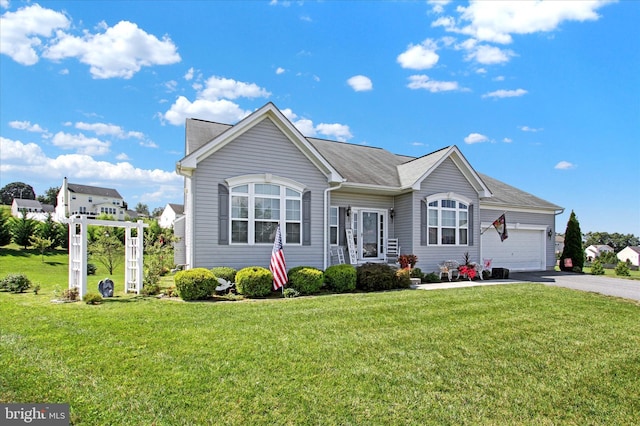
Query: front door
368, 226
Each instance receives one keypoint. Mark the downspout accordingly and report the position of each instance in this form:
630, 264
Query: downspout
325, 238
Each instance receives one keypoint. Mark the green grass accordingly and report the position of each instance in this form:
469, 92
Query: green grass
514, 354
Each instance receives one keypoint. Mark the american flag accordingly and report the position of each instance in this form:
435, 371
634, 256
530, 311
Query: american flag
277, 266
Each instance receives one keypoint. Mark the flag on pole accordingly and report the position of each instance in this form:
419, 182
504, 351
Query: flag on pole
501, 226
277, 266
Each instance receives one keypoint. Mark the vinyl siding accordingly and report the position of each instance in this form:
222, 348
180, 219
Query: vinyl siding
446, 178
262, 149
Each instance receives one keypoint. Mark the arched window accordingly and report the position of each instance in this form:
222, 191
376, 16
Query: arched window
448, 219
259, 203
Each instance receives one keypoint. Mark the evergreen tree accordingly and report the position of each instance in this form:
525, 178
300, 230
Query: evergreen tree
5, 229
573, 249
596, 268
22, 229
51, 230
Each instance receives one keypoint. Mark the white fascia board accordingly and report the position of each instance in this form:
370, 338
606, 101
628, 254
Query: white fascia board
508, 208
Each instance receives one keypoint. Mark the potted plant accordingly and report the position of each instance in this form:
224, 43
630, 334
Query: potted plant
407, 261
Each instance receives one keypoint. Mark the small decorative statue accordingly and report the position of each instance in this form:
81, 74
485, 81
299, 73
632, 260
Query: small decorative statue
105, 287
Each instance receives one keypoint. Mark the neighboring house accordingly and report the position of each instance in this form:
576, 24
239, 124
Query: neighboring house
631, 253
559, 244
34, 208
170, 213
596, 250
242, 180
91, 201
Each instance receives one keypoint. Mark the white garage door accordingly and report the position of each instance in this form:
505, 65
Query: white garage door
524, 250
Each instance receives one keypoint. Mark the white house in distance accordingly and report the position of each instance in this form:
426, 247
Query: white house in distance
631, 253
35, 210
91, 201
170, 214
596, 250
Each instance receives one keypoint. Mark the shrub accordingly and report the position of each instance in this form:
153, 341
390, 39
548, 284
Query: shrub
596, 268
375, 277
622, 269
416, 273
150, 289
433, 277
254, 281
91, 269
290, 293
70, 294
340, 278
195, 284
15, 283
225, 273
305, 279
92, 299
403, 278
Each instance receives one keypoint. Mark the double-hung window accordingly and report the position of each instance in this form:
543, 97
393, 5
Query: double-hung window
448, 220
257, 208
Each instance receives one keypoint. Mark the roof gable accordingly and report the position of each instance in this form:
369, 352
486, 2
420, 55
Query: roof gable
188, 164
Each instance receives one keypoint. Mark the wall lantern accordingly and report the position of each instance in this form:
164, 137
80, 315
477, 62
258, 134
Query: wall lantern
549, 233
392, 213
349, 211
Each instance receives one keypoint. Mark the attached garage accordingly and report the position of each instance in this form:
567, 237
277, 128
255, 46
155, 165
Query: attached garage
523, 250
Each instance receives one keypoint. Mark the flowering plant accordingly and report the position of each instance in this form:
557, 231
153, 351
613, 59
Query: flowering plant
407, 260
467, 271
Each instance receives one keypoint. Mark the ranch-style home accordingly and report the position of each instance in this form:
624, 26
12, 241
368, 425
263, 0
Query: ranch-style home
243, 180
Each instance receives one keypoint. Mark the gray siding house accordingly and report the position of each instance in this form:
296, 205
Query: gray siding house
243, 180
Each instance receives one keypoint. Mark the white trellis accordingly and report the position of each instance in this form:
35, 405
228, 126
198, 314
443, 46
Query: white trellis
134, 250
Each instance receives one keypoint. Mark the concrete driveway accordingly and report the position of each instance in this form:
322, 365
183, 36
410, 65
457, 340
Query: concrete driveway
628, 289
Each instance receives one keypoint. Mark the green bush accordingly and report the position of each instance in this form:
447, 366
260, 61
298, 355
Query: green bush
622, 269
195, 284
596, 268
225, 273
416, 273
92, 299
340, 278
254, 281
433, 277
91, 269
375, 277
403, 278
305, 279
150, 288
15, 283
70, 294
290, 293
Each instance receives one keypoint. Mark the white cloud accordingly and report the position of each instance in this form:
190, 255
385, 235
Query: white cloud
4, 4
121, 51
489, 55
565, 165
80, 143
26, 125
23, 31
505, 93
122, 157
498, 78
219, 88
189, 75
360, 83
507, 140
102, 129
437, 6
32, 160
280, 70
423, 82
339, 131
419, 57
475, 138
171, 85
221, 110
530, 129
495, 21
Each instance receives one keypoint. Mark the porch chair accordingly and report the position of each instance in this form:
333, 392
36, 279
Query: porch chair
449, 267
393, 250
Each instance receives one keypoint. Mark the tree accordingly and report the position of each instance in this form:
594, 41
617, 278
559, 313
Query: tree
16, 190
42, 244
22, 229
108, 250
49, 229
572, 257
157, 212
5, 229
616, 241
142, 209
50, 196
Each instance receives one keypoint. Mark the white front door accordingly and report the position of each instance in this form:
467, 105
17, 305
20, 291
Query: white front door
369, 233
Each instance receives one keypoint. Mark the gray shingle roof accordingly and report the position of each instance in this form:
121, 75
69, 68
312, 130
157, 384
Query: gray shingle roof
504, 194
93, 190
199, 132
23, 203
177, 208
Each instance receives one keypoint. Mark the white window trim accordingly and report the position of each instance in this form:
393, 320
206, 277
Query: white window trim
336, 226
264, 178
458, 198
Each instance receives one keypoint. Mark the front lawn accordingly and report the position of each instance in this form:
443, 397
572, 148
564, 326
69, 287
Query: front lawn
513, 354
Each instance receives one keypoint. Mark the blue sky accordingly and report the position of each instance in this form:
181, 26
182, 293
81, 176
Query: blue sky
544, 96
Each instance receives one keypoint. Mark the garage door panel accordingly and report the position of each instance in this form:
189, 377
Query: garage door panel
522, 251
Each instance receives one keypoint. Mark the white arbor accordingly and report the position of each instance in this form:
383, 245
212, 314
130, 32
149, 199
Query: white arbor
134, 250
